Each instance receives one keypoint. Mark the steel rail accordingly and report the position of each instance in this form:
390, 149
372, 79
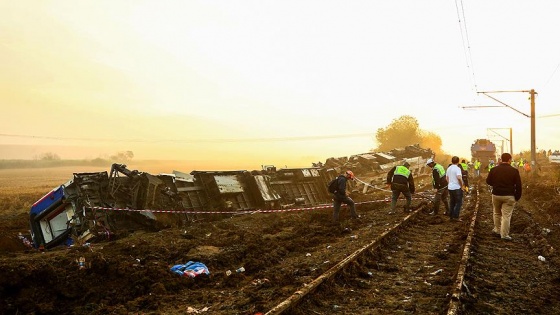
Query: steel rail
455, 301
310, 287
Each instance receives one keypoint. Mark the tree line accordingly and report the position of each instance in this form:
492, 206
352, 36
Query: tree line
50, 159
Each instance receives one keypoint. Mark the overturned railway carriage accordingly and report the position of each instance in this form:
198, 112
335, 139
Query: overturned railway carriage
96, 205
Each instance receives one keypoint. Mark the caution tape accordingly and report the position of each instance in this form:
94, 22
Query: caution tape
374, 187
211, 212
420, 195
324, 206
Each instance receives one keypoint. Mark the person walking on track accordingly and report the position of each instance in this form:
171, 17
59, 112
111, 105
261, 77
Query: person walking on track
506, 191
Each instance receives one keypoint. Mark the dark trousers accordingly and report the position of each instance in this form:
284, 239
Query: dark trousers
455, 202
338, 201
397, 189
441, 195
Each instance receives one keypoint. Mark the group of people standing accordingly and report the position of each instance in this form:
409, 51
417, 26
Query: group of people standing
450, 185
506, 191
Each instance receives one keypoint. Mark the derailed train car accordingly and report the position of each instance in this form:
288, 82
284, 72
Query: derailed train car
97, 205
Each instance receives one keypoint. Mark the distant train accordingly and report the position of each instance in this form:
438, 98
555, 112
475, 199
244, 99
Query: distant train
484, 150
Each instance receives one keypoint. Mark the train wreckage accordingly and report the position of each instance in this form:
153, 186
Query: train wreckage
95, 206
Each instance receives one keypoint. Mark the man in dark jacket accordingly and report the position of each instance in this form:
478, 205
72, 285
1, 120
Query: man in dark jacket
506, 191
439, 182
400, 180
342, 196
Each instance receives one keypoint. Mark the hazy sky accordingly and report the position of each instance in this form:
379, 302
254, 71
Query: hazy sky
245, 83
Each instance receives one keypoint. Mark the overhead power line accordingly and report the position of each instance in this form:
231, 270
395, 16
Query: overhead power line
546, 116
552, 75
466, 44
224, 140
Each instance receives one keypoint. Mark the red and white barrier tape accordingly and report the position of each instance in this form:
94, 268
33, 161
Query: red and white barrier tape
325, 206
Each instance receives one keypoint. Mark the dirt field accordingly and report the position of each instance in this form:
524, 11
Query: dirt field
279, 252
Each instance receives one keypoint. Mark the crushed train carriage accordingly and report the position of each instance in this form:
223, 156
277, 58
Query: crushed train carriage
93, 206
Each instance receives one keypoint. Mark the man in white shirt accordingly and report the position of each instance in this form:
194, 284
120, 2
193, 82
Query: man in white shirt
455, 179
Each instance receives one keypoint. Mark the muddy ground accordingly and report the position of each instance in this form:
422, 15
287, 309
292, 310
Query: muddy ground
279, 252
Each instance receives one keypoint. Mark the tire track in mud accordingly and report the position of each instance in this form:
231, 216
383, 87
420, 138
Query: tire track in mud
412, 271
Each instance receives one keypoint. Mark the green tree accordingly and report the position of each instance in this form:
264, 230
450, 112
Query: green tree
404, 131
401, 132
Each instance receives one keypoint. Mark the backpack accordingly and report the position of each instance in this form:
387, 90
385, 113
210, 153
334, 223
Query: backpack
333, 185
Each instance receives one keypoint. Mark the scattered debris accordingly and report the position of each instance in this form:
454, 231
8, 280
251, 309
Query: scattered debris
191, 269
81, 263
24, 240
192, 310
259, 281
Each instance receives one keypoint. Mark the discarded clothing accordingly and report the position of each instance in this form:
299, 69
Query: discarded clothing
190, 269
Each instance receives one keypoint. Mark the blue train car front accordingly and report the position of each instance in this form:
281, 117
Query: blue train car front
50, 217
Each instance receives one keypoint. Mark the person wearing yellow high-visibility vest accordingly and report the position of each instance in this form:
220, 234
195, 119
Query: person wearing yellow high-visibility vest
465, 171
401, 180
491, 165
440, 184
477, 165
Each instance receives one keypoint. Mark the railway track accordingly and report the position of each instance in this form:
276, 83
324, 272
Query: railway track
427, 264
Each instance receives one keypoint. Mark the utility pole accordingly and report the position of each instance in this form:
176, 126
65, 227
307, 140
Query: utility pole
532, 116
501, 136
533, 141
510, 141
